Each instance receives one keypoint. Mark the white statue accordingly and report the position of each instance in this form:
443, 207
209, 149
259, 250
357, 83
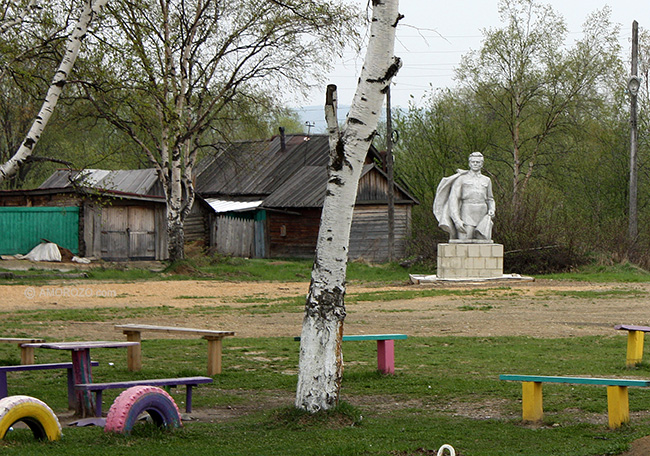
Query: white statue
464, 205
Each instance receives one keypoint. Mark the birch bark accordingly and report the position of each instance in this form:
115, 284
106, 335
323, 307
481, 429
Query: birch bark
321, 359
11, 167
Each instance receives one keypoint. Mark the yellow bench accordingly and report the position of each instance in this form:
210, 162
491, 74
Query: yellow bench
134, 353
618, 409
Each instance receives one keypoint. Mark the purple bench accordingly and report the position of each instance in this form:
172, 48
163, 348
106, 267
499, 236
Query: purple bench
98, 388
30, 367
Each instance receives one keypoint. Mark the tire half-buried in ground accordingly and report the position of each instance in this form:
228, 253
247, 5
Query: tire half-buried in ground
33, 412
136, 400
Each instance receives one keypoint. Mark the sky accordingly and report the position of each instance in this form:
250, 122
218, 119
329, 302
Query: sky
434, 35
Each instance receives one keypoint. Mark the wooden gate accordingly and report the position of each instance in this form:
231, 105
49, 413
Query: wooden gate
128, 233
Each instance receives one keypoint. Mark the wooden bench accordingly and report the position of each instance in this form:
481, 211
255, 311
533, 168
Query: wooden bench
385, 348
31, 367
134, 353
26, 353
189, 382
618, 409
635, 335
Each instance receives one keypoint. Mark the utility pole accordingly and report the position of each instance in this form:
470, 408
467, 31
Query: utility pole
633, 87
391, 180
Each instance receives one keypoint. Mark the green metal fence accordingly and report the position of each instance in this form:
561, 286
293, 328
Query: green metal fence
23, 228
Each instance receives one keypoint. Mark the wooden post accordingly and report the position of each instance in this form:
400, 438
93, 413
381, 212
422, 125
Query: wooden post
386, 356
82, 373
391, 179
532, 406
134, 352
618, 406
634, 348
214, 355
26, 354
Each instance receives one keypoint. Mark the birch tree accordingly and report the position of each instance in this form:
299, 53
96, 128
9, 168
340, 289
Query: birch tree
26, 148
534, 86
321, 359
179, 69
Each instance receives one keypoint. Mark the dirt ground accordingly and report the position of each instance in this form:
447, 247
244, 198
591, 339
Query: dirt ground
540, 308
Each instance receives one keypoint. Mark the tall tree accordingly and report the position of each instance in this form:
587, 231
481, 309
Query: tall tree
531, 81
171, 73
26, 148
321, 359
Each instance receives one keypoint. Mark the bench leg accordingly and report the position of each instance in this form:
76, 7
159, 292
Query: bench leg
72, 397
26, 354
532, 406
188, 399
134, 352
618, 406
634, 348
386, 356
214, 355
82, 373
98, 403
3, 385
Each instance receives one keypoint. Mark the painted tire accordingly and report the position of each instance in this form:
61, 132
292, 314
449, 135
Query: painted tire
136, 400
33, 412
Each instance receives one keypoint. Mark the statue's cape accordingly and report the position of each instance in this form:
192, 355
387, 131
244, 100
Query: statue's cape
441, 202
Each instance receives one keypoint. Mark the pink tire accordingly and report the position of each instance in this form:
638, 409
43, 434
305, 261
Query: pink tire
136, 400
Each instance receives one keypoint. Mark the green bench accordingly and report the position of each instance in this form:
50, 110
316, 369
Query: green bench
618, 409
385, 348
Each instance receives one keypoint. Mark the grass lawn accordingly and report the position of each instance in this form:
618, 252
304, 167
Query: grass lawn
446, 390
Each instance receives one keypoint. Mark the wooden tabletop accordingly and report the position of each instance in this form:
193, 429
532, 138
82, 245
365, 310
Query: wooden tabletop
82, 345
174, 329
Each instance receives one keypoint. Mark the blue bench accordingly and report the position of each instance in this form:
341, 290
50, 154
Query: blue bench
98, 388
618, 409
31, 367
385, 348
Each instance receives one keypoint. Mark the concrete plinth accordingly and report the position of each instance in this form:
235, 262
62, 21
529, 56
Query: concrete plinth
470, 261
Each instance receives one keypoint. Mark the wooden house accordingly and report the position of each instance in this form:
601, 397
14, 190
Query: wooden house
112, 215
266, 199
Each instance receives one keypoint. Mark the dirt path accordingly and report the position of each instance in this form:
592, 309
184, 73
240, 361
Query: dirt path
540, 309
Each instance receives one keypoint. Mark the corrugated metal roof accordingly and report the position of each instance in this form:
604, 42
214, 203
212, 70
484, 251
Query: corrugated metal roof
306, 189
261, 170
222, 205
136, 181
259, 167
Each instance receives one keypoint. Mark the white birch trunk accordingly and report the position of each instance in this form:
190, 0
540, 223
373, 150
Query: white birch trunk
321, 360
11, 167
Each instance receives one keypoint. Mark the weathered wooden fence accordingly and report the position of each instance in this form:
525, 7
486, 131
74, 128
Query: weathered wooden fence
235, 236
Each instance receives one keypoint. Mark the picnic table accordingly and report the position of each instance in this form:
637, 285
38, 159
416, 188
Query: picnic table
81, 367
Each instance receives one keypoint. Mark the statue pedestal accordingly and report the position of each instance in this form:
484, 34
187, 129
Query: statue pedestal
470, 261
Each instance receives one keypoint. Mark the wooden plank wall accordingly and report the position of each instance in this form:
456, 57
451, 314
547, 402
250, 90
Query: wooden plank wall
235, 236
293, 235
369, 232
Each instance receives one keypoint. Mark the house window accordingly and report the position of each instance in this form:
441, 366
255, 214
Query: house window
283, 230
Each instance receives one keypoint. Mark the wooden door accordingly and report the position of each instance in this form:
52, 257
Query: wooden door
128, 233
